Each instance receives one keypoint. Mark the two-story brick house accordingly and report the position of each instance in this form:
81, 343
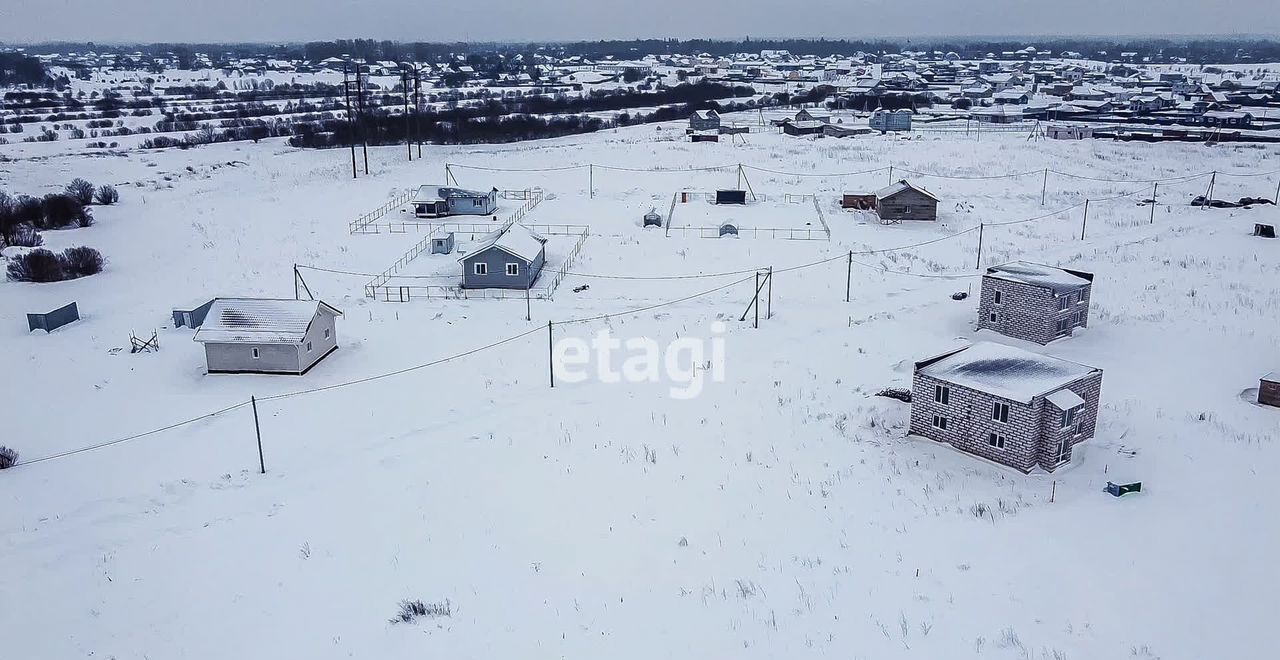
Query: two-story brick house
1034, 302
1006, 404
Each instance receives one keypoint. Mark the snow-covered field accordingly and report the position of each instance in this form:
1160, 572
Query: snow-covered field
782, 513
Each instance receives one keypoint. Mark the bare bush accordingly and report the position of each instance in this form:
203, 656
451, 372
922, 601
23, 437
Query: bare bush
82, 261
8, 457
62, 210
411, 610
81, 191
23, 235
38, 265
106, 195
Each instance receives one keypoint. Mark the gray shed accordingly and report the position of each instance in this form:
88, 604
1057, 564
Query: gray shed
191, 317
437, 201
731, 197
267, 336
728, 229
510, 259
442, 244
905, 201
652, 219
50, 321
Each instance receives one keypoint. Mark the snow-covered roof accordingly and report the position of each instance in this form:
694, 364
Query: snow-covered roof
516, 240
1058, 280
895, 188
1065, 399
1004, 371
259, 320
706, 114
428, 194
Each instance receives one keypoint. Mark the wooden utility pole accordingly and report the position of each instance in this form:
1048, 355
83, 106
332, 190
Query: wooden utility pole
417, 107
551, 369
1208, 196
756, 302
1085, 221
848, 277
739, 177
1044, 186
404, 91
1155, 188
591, 180
257, 429
364, 139
528, 311
890, 174
295, 281
769, 280
979, 263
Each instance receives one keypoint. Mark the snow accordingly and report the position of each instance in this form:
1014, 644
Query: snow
1065, 399
1047, 277
517, 240
553, 519
899, 186
259, 320
1005, 371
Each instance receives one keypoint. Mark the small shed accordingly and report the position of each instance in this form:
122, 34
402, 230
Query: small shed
442, 244
50, 321
858, 201
731, 197
1269, 389
728, 229
906, 201
652, 219
191, 317
266, 336
704, 137
1264, 230
891, 120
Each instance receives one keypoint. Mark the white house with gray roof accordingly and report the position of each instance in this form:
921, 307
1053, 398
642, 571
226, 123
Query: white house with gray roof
438, 201
267, 336
1034, 302
1005, 404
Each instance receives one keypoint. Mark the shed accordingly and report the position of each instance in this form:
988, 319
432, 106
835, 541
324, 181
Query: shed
891, 120
1269, 389
704, 137
731, 197
906, 201
442, 244
652, 219
267, 336
728, 229
858, 201
506, 259
50, 321
190, 317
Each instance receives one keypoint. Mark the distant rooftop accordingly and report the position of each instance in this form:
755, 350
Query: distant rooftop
1004, 371
1059, 280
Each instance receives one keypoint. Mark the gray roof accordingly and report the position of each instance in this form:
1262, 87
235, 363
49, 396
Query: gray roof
902, 185
1004, 371
516, 240
427, 194
260, 320
1058, 280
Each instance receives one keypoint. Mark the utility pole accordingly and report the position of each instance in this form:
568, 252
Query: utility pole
1155, 187
528, 311
551, 370
890, 174
979, 263
756, 302
739, 177
1044, 186
1085, 221
295, 281
1208, 196
848, 277
404, 91
591, 180
351, 125
417, 107
262, 464
364, 139
769, 280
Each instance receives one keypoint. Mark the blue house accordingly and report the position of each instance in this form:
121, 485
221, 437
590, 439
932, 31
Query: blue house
510, 259
438, 201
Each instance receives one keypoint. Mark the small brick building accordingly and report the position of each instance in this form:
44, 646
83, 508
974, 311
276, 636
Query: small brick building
1006, 404
1034, 302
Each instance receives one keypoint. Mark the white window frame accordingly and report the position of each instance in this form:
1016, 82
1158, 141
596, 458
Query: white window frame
513, 266
997, 440
1064, 302
256, 354
941, 394
940, 422
997, 408
994, 317
1071, 419
480, 268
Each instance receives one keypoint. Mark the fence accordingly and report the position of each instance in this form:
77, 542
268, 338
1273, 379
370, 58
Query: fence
794, 234
361, 224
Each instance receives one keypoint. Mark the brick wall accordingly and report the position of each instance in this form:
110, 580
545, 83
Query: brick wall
1031, 433
1028, 312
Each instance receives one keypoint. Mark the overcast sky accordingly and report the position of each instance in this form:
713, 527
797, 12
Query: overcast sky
109, 21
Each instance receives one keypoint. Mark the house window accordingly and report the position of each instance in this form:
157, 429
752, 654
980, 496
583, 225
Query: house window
326, 333
993, 317
482, 269
255, 354
998, 297
1000, 412
906, 209
1079, 318
513, 269
475, 202
996, 440
942, 394
1070, 420
1064, 302
940, 422
308, 347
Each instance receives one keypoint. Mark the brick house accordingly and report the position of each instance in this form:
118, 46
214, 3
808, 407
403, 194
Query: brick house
1006, 404
1034, 302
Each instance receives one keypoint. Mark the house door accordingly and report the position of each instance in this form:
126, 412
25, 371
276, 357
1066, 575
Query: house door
1064, 450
